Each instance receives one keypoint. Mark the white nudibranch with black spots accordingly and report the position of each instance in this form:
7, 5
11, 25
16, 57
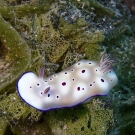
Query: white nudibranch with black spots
69, 87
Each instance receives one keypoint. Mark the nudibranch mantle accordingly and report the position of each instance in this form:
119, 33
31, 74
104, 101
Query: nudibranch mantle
70, 87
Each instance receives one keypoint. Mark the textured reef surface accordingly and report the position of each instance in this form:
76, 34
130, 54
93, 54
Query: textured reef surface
57, 34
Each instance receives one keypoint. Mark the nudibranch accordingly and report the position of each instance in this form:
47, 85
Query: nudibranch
69, 87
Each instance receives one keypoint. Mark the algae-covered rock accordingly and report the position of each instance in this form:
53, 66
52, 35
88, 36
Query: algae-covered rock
55, 45
3, 126
71, 58
124, 94
16, 57
10, 12
92, 119
13, 108
29, 128
101, 118
2, 3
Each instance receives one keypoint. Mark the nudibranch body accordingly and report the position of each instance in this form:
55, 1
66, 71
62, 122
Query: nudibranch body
70, 87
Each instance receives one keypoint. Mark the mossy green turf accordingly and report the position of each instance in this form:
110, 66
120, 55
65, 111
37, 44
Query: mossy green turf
90, 119
18, 52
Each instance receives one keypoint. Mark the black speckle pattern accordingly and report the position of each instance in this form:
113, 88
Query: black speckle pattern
102, 80
78, 88
83, 71
63, 83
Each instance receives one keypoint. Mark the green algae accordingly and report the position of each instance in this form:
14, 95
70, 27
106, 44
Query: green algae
10, 12
92, 51
68, 29
102, 10
71, 58
18, 53
101, 118
3, 126
98, 7
91, 119
29, 128
124, 93
2, 3
89, 41
55, 44
12, 107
